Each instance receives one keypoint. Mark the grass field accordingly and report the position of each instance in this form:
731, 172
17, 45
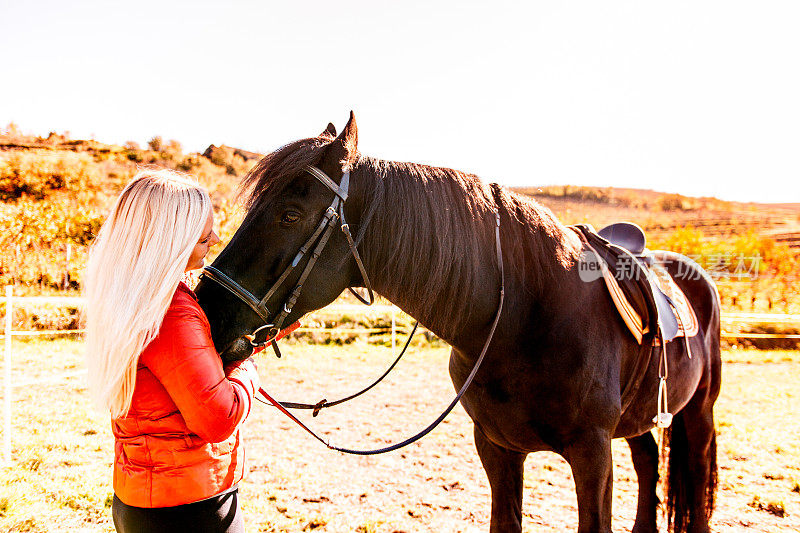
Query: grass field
60, 476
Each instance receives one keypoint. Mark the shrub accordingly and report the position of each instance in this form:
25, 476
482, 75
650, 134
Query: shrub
39, 173
156, 143
56, 198
174, 147
671, 202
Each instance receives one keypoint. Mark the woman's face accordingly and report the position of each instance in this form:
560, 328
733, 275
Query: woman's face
207, 239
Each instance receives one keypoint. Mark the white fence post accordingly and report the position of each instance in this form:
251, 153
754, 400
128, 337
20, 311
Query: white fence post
7, 380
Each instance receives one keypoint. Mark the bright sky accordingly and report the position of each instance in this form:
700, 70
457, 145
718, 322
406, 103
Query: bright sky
696, 97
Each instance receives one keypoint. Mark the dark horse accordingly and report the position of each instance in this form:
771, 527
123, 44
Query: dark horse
552, 377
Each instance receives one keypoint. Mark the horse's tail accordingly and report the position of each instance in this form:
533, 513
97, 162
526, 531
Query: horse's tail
694, 463
679, 477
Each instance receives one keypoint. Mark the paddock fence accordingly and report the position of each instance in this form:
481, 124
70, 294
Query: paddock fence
10, 302
729, 320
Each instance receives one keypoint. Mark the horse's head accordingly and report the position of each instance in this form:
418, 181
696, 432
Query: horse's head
287, 207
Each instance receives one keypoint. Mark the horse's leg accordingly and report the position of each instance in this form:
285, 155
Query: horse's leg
589, 456
644, 453
504, 469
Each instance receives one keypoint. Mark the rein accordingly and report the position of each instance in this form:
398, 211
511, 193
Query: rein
316, 243
324, 403
283, 406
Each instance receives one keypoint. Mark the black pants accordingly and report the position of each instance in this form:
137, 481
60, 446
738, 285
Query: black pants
218, 514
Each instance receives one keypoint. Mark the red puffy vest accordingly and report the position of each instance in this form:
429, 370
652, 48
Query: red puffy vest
179, 442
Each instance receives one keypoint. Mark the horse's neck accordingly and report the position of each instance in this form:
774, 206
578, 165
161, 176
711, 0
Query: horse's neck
422, 240
445, 310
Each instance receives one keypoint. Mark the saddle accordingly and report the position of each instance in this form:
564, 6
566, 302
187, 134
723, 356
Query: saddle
649, 301
647, 298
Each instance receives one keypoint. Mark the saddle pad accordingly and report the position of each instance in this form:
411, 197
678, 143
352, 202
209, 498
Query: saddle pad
687, 320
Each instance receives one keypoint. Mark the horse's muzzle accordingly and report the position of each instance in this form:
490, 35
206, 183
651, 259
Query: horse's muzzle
239, 349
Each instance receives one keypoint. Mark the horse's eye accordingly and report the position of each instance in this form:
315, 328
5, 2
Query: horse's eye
290, 217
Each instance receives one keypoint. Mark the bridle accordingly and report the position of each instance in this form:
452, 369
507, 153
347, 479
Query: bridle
315, 243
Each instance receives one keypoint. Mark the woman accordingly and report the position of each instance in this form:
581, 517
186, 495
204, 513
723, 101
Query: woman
175, 409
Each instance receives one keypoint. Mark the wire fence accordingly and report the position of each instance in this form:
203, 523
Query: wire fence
9, 301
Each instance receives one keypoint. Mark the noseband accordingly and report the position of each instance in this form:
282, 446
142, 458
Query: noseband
315, 243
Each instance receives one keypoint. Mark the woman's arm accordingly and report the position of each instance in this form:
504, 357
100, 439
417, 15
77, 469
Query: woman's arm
212, 400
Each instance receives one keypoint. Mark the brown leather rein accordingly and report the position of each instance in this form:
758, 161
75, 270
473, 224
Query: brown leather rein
323, 231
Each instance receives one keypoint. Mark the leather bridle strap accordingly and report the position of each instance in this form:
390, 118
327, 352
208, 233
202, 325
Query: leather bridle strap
351, 243
339, 190
449, 408
289, 304
317, 241
325, 223
260, 306
342, 192
240, 292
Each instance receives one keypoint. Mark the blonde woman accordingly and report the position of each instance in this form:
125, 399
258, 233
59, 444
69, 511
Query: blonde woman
175, 409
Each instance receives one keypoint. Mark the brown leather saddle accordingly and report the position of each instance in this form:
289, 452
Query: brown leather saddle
626, 265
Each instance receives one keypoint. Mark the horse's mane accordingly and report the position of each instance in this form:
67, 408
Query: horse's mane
431, 226
444, 220
268, 178
428, 231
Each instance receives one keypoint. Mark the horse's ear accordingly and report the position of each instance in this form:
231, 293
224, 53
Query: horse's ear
330, 131
349, 136
344, 149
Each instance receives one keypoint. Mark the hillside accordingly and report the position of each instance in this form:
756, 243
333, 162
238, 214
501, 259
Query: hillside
662, 213
56, 192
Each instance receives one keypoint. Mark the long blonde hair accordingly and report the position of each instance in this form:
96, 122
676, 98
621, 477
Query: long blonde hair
134, 267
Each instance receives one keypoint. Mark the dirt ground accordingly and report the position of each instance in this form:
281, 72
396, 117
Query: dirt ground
60, 476
438, 484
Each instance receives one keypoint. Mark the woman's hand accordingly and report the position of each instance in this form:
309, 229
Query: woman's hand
244, 371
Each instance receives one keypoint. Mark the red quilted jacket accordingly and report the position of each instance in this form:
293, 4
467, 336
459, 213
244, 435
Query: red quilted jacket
180, 442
